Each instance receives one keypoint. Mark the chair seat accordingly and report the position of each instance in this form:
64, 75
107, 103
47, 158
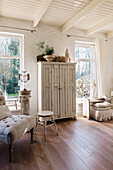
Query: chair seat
45, 113
14, 127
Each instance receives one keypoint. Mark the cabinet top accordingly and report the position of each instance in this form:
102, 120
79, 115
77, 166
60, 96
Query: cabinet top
56, 63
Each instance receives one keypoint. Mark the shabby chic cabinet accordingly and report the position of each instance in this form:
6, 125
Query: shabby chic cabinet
56, 88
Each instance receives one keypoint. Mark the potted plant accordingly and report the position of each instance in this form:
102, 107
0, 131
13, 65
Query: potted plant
46, 52
49, 51
41, 50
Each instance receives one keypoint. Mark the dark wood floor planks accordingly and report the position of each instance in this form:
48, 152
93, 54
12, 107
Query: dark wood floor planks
87, 146
81, 144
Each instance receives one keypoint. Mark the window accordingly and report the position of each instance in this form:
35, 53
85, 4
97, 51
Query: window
11, 61
9, 46
84, 53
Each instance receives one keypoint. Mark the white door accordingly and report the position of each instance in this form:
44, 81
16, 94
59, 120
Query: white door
55, 90
71, 91
46, 90
63, 90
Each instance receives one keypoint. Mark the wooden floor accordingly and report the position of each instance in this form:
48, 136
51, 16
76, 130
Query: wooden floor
81, 144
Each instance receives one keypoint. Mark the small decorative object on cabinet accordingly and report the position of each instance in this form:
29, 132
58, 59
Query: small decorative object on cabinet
24, 78
56, 88
59, 59
49, 58
67, 55
46, 52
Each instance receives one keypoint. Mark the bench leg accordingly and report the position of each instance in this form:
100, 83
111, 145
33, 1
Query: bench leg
10, 153
32, 134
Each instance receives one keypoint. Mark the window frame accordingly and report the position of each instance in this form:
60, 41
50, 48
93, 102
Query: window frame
21, 57
84, 44
87, 45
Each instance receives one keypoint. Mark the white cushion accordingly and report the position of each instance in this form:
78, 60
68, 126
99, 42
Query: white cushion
101, 108
102, 105
45, 113
4, 112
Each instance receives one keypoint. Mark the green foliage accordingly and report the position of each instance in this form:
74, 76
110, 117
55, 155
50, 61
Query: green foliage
49, 50
44, 50
14, 47
13, 95
41, 45
9, 69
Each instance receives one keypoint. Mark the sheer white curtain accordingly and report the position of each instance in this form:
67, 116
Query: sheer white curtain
93, 80
99, 67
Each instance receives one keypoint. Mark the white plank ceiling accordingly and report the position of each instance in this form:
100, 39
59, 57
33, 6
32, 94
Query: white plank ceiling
90, 15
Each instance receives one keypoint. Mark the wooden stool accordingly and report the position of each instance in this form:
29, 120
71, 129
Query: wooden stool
44, 117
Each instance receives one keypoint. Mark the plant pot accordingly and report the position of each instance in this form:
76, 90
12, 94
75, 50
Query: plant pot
49, 58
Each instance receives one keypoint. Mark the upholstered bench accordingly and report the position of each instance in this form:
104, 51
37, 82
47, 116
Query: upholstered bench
101, 111
13, 127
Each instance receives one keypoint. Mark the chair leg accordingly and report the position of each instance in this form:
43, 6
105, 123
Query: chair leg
55, 125
45, 123
32, 134
37, 120
10, 153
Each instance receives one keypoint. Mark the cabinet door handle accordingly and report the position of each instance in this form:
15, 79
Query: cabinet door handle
56, 86
60, 88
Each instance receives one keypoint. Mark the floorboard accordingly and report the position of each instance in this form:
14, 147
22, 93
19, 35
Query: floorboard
81, 145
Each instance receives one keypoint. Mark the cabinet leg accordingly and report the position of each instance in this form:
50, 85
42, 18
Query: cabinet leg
74, 118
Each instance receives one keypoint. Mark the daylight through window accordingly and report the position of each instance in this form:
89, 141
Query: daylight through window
10, 62
84, 56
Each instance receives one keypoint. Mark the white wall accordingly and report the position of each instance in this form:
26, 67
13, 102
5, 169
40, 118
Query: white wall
53, 37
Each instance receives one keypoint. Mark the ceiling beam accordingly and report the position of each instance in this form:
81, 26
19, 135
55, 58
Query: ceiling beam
94, 4
100, 25
110, 34
40, 14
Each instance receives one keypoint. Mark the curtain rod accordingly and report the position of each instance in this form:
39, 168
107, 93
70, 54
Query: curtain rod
18, 28
68, 35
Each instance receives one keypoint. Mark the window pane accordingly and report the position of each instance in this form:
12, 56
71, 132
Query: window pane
9, 70
9, 46
83, 52
83, 78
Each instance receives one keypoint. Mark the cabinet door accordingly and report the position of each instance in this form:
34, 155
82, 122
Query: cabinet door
63, 90
71, 91
112, 102
46, 90
55, 90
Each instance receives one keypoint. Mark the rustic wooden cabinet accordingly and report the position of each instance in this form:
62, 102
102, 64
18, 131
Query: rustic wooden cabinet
56, 88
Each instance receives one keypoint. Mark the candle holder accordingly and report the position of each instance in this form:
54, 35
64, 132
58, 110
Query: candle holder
24, 79
24, 94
